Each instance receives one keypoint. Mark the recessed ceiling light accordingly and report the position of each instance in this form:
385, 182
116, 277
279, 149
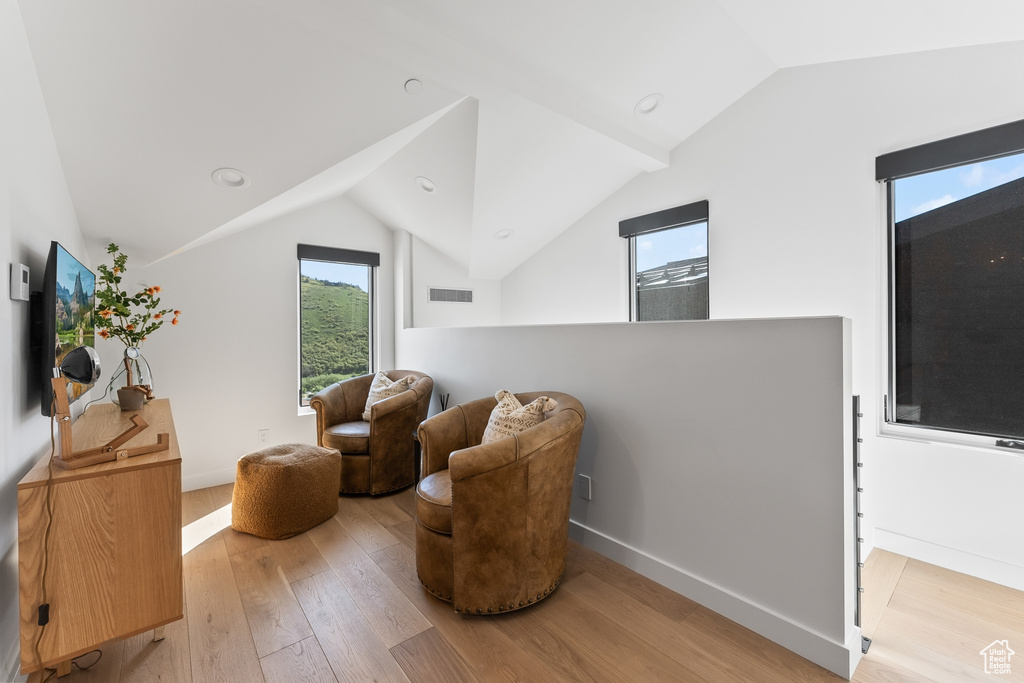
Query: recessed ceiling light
413, 86
426, 184
649, 104
230, 177
503, 234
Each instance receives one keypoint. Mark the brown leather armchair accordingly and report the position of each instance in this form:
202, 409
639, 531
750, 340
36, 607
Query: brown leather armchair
376, 456
492, 520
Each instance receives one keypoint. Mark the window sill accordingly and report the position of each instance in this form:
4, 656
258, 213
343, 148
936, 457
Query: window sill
938, 437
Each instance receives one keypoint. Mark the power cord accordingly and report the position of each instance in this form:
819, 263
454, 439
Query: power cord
46, 536
105, 392
97, 652
46, 558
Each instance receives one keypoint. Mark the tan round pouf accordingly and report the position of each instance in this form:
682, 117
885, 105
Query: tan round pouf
284, 490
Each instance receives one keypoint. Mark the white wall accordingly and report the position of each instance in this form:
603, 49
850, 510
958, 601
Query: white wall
35, 207
797, 228
720, 454
230, 367
431, 268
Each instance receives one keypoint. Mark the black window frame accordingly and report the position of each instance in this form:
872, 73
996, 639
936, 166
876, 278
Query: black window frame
961, 150
353, 257
667, 219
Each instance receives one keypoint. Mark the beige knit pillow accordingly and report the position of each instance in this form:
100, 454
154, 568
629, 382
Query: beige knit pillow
382, 388
511, 417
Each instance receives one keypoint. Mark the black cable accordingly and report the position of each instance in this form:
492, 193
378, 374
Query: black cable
78, 666
88, 666
105, 392
46, 534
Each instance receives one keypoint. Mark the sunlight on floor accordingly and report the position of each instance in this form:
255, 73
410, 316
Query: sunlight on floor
203, 528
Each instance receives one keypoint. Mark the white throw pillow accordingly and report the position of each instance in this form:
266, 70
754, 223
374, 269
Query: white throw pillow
511, 417
382, 387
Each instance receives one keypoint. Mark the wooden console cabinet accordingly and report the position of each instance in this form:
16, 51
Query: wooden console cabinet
114, 561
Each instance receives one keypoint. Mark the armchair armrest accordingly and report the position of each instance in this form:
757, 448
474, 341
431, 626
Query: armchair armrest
391, 405
439, 437
475, 460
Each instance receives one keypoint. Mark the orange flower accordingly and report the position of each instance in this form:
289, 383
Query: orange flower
129, 327
104, 334
156, 288
106, 313
116, 270
157, 316
177, 313
174, 322
150, 290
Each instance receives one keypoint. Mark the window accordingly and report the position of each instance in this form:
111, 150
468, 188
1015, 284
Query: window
668, 261
336, 288
956, 283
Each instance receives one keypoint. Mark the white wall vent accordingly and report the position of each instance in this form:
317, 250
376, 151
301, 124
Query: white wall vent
460, 296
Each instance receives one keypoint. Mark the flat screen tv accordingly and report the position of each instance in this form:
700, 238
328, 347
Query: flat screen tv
62, 318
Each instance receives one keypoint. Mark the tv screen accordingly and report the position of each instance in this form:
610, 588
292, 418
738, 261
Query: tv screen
62, 317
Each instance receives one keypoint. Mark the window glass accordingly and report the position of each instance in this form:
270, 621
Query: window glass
335, 323
958, 287
671, 269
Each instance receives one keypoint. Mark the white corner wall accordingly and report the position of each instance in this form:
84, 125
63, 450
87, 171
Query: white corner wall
797, 229
35, 207
720, 454
431, 268
230, 368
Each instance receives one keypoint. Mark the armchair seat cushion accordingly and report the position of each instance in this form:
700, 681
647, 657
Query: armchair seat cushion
348, 437
434, 502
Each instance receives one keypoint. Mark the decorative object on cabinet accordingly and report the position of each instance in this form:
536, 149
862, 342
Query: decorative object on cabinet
130, 318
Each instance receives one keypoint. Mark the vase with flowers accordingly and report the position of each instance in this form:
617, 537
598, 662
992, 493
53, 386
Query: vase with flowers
130, 318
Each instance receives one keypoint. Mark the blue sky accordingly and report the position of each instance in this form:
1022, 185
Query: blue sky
336, 272
68, 268
658, 248
928, 191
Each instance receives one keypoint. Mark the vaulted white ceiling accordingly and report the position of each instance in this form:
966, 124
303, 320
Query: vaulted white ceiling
525, 120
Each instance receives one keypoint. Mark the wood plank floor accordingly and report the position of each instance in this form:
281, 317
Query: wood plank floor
342, 602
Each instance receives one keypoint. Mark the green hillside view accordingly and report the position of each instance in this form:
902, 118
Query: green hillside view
335, 334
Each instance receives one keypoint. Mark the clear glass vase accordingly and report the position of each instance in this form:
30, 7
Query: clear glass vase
135, 363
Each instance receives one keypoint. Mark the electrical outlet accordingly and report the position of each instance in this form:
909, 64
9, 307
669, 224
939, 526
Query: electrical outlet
263, 437
583, 481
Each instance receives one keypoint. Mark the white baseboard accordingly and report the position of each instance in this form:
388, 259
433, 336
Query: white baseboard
840, 658
959, 561
208, 479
